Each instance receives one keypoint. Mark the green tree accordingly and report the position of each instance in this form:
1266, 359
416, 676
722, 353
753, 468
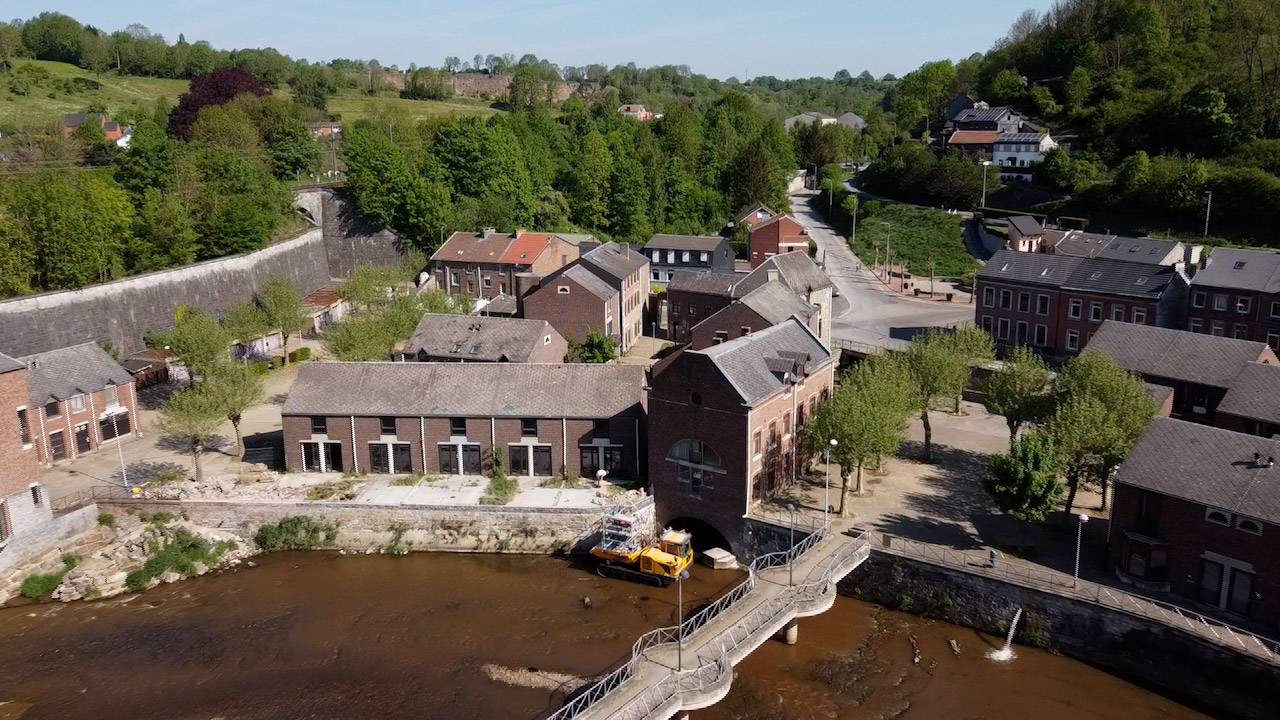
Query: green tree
1079, 87
10, 45
198, 341
281, 304
1024, 483
233, 389
1045, 103
293, 150
973, 345
191, 417
937, 372
312, 86
245, 322
166, 232
597, 348
589, 188
1019, 390
1008, 87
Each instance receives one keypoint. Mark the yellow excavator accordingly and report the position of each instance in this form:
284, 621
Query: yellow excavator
625, 552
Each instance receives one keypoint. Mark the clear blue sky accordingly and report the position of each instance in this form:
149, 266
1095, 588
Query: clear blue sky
720, 38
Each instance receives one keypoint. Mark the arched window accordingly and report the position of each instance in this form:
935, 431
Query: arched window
1249, 525
696, 464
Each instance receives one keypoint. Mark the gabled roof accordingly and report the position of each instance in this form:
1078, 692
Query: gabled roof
476, 338
775, 302
706, 283
1257, 270
1254, 393
972, 137
1021, 137
587, 279
1208, 466
70, 371
751, 363
1176, 354
796, 270
615, 260
526, 247
451, 389
783, 218
852, 120
747, 212
700, 243
1096, 275
576, 238
8, 364
473, 247
1026, 225
1078, 243
977, 114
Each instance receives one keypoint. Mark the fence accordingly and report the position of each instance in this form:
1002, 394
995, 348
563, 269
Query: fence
1041, 578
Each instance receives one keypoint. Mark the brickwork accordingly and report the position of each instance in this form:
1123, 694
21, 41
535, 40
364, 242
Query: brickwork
686, 309
1242, 314
775, 238
19, 459
74, 431
572, 309
734, 321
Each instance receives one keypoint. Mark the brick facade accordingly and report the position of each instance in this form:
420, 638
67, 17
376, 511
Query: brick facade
82, 425
19, 459
1055, 322
776, 236
572, 309
734, 321
1235, 313
685, 309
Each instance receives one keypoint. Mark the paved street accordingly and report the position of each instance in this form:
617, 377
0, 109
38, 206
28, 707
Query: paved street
867, 312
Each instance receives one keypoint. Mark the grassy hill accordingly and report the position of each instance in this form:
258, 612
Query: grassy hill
64, 89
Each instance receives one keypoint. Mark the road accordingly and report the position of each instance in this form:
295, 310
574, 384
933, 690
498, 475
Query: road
866, 312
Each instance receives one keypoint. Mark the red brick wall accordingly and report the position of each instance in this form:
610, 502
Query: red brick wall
571, 314
1086, 327
1257, 323
731, 320
20, 464
785, 235
681, 321
43, 426
989, 311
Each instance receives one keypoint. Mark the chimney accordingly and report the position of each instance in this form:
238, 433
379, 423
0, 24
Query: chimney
487, 233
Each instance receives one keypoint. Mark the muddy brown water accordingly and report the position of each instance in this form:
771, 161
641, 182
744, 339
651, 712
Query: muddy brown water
319, 635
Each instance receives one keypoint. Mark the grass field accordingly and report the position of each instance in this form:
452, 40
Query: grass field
914, 233
50, 100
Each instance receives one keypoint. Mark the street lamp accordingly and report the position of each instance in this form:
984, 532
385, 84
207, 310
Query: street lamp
1075, 578
115, 429
985, 163
826, 490
680, 619
791, 554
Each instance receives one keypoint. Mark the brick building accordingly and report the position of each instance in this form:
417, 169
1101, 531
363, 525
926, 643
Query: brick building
484, 265
447, 418
627, 272
80, 398
473, 338
23, 504
669, 254
724, 423
1196, 513
574, 301
693, 297
1237, 294
1252, 403
1055, 303
775, 236
750, 216
763, 307
1201, 369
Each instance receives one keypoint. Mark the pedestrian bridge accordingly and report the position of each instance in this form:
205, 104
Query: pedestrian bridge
667, 675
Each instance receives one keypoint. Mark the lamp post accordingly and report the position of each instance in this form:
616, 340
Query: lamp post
680, 619
985, 164
791, 554
1075, 578
1208, 205
115, 428
826, 489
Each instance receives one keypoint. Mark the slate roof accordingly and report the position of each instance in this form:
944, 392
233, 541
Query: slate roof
983, 114
774, 302
707, 283
700, 243
576, 238
1026, 225
482, 339
1241, 269
972, 137
465, 389
1206, 465
1254, 393
617, 261
795, 269
70, 371
750, 362
1175, 354
1077, 243
1020, 137
1096, 275
587, 279
8, 364
852, 120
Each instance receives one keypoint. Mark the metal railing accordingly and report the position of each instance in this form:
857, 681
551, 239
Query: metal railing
81, 498
721, 668
1038, 577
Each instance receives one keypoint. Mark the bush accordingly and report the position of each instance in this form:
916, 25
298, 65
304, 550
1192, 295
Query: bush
296, 532
107, 520
500, 491
302, 354
41, 584
260, 368
180, 554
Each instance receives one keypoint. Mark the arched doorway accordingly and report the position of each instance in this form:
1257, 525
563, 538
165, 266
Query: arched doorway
704, 535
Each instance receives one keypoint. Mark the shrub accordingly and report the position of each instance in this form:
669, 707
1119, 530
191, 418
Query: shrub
180, 554
296, 532
500, 491
107, 520
337, 490
260, 368
160, 518
300, 355
41, 584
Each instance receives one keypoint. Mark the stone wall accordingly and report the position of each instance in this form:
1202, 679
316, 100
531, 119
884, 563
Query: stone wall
46, 538
123, 311
1177, 664
496, 86
363, 527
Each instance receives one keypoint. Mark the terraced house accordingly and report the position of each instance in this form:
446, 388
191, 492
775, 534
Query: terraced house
450, 418
484, 265
1237, 294
23, 505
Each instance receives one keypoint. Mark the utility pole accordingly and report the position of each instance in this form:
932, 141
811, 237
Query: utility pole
1208, 205
930, 274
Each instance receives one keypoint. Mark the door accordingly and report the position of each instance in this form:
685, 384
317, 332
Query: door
1210, 582
449, 459
471, 460
311, 457
1240, 591
588, 459
379, 459
519, 459
82, 438
401, 458
57, 445
542, 460
332, 457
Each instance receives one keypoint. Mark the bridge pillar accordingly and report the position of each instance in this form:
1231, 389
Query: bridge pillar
790, 634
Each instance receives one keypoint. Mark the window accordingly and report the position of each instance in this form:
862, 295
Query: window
1117, 312
1197, 299
988, 297
319, 424
1140, 316
1095, 312
1273, 339
1216, 328
76, 403
562, 289
706, 310
1073, 309
1248, 525
37, 495
1006, 299
488, 281
116, 425
1042, 335
1003, 326
696, 463
453, 278
1242, 305
756, 447
600, 429
113, 395
518, 459
986, 323
387, 425
1217, 517
529, 427
671, 257
1196, 325
52, 409
57, 445
684, 256
744, 331
1024, 302
675, 308
693, 310
702, 257
24, 426
1275, 309
1022, 332
1220, 302
1240, 331
786, 424
1042, 305
655, 275
1073, 340
458, 426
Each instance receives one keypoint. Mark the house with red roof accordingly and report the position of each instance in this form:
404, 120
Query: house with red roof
485, 265
778, 235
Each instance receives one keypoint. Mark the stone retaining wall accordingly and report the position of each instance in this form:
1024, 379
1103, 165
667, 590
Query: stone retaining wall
41, 544
1208, 676
364, 527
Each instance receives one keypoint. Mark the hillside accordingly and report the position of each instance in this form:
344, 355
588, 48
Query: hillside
54, 89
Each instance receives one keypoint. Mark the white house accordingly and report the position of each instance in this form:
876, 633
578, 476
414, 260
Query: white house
1020, 150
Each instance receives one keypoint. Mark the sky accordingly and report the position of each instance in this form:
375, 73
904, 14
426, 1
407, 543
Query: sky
742, 38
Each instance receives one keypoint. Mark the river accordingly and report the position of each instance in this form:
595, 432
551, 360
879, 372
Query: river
322, 635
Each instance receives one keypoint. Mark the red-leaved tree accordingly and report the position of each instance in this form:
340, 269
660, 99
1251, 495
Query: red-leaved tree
215, 88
